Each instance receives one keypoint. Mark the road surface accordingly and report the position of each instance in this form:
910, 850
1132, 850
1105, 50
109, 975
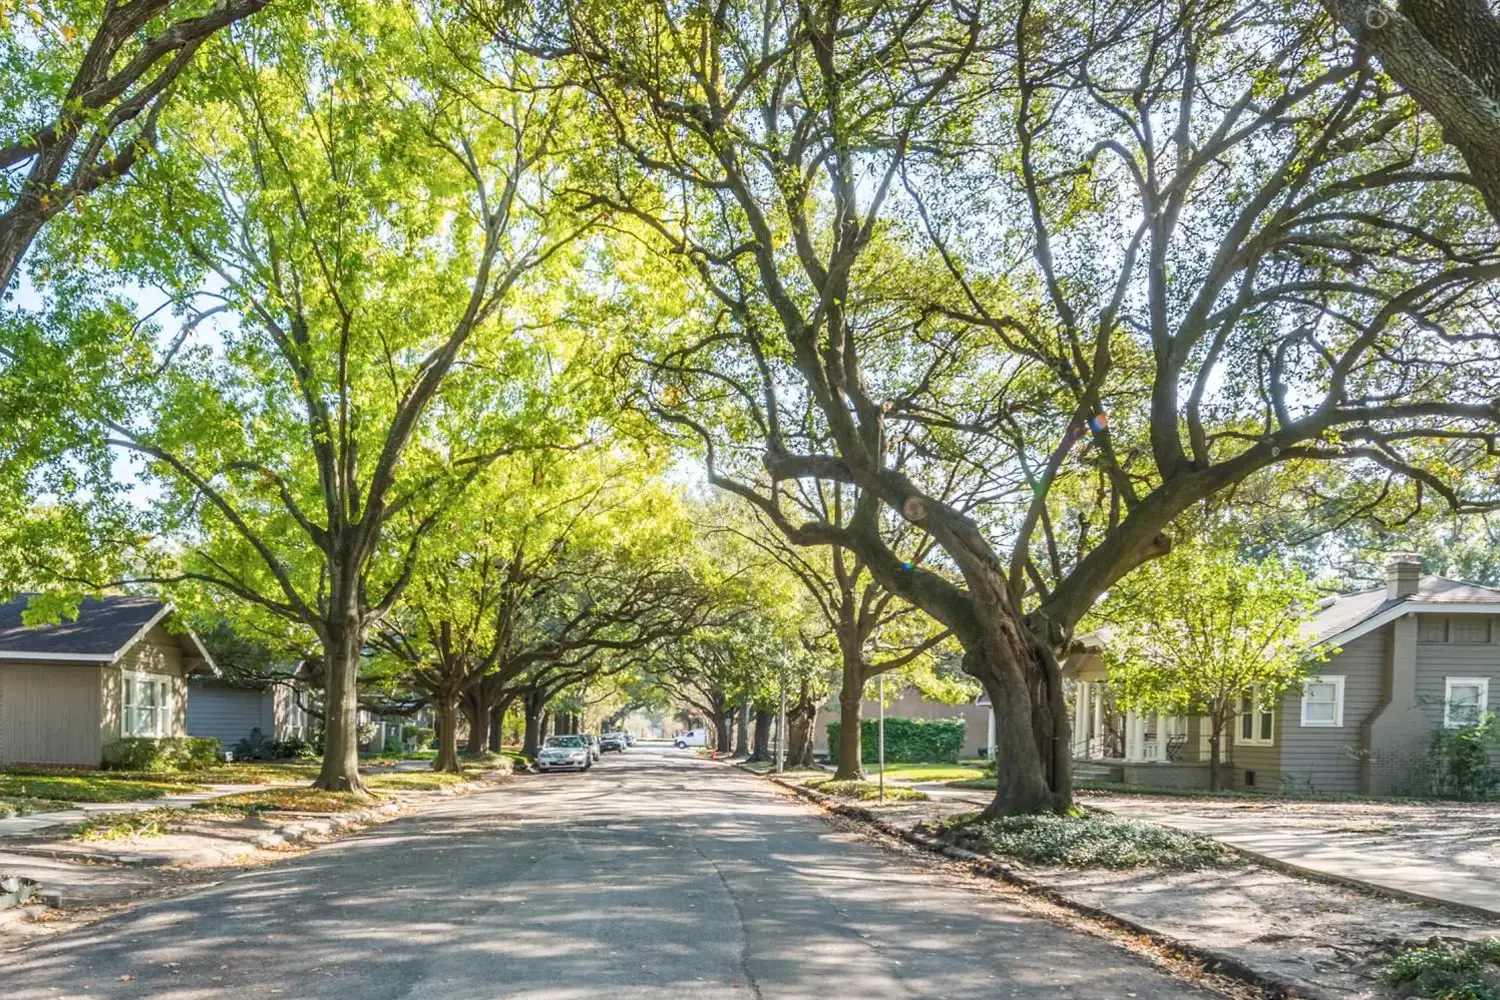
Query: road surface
655, 875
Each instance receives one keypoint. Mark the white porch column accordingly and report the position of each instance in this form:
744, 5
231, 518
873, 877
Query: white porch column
1135, 737
1096, 744
1080, 719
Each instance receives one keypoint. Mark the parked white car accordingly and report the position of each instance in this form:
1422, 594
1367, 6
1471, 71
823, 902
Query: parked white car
565, 753
691, 738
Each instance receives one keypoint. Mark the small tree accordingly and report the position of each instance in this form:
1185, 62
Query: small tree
1201, 631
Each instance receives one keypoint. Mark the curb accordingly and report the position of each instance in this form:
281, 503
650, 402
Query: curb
1213, 961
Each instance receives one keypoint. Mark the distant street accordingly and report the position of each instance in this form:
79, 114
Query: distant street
654, 875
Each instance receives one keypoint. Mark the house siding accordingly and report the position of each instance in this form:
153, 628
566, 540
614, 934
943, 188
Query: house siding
49, 714
1265, 761
228, 715
1438, 661
1326, 759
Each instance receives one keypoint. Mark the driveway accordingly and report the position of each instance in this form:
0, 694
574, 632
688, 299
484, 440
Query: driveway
1448, 852
655, 875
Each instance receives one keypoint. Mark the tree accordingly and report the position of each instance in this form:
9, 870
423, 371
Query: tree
1097, 308
363, 199
80, 111
1205, 632
1446, 54
873, 632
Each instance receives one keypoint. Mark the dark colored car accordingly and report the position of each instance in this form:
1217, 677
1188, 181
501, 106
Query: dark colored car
613, 741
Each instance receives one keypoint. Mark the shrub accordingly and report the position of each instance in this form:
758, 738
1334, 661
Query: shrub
366, 732
123, 826
258, 746
1459, 761
394, 743
1094, 842
160, 754
1449, 971
908, 741
419, 737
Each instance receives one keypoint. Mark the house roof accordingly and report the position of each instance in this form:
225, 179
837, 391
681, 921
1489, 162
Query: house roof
106, 627
1349, 616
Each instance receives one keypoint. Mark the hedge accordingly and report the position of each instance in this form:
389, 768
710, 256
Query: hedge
907, 741
167, 753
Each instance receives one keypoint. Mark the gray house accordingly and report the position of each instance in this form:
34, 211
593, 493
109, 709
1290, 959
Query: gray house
68, 689
229, 711
1420, 653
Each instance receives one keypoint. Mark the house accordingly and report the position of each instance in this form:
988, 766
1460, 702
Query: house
69, 689
910, 704
1408, 658
228, 710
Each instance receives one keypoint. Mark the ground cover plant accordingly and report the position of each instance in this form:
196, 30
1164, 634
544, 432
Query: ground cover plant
1089, 841
1442, 970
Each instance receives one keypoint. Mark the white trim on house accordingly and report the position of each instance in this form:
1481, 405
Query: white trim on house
1257, 713
8, 656
1337, 681
1482, 683
1410, 607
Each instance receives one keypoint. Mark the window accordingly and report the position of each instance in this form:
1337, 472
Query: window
1323, 701
1257, 721
145, 706
1465, 700
1470, 629
1432, 628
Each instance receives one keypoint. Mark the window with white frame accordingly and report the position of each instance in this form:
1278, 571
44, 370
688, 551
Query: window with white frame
1257, 720
1465, 700
145, 705
1323, 701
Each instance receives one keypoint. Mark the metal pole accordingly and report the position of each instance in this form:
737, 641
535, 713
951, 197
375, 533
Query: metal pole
881, 740
781, 721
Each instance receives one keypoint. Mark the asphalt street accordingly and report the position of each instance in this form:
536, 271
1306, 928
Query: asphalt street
656, 874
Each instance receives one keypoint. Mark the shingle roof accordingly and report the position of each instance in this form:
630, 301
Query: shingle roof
103, 626
1350, 610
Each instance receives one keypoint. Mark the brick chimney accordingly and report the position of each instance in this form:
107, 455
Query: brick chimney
1402, 571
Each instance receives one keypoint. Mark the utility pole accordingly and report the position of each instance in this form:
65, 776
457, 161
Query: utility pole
880, 739
781, 719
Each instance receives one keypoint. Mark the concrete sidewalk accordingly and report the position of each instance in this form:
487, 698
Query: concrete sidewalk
1434, 854
22, 826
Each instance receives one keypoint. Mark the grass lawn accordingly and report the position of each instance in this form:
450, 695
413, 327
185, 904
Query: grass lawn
298, 799
20, 805
88, 786
867, 791
927, 772
416, 781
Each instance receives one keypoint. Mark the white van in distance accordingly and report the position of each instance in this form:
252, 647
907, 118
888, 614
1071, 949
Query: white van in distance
691, 738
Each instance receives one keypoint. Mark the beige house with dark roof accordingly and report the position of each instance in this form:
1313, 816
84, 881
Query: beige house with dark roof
1420, 653
69, 689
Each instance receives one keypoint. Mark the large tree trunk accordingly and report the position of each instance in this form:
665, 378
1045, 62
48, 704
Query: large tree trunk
849, 753
762, 750
800, 720
535, 723
340, 770
479, 719
721, 729
447, 755
1031, 728
742, 731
